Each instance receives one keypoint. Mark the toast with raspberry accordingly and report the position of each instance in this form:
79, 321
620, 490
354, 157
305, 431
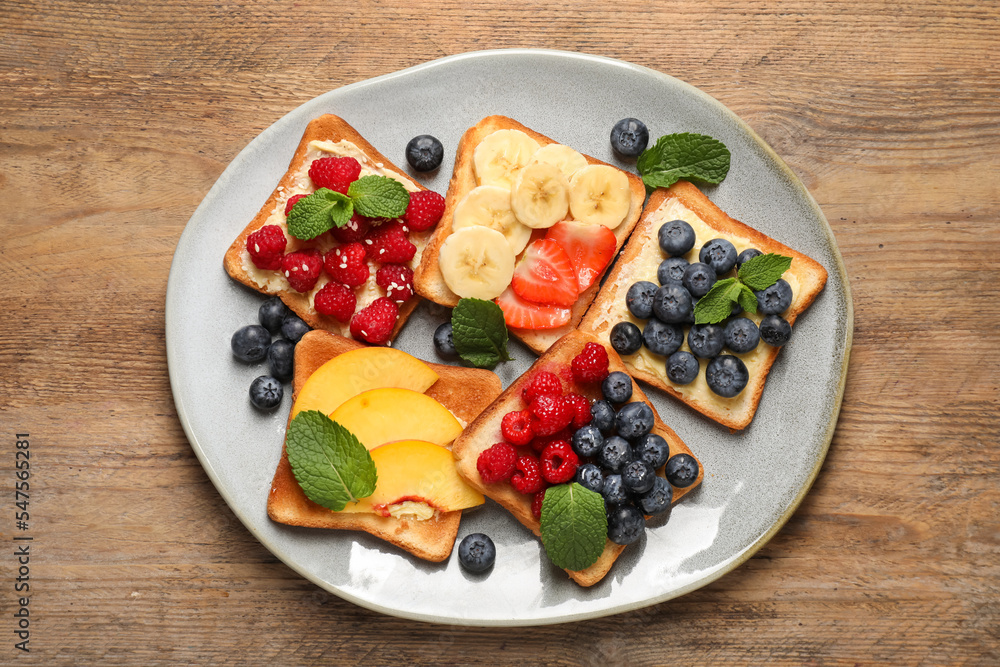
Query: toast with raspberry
464, 391
486, 430
639, 262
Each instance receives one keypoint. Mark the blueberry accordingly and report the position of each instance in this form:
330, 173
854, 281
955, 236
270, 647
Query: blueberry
250, 343
681, 470
271, 313
617, 387
775, 330
706, 340
615, 453
280, 358
676, 237
476, 552
626, 338
662, 339
671, 270
735, 309
720, 254
682, 367
672, 303
775, 299
629, 137
266, 392
634, 420
293, 328
637, 477
587, 440
625, 524
444, 342
746, 256
602, 415
614, 491
658, 498
653, 450
699, 278
741, 335
424, 152
639, 299
726, 375
590, 477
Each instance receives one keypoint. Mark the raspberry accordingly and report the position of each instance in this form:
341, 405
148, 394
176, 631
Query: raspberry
302, 268
389, 244
516, 427
496, 463
591, 365
539, 444
374, 322
266, 247
559, 462
541, 383
335, 173
550, 414
536, 504
424, 210
347, 264
527, 476
581, 410
355, 230
336, 300
292, 201
396, 280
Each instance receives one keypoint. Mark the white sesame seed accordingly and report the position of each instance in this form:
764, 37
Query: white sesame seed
368, 241
256, 247
286, 274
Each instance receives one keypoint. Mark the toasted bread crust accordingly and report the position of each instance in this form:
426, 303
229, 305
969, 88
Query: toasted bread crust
484, 432
609, 307
427, 278
325, 128
464, 391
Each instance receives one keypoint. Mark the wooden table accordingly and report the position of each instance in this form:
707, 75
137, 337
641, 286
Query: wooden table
115, 120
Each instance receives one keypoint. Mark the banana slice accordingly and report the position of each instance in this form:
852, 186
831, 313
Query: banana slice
562, 156
489, 206
501, 155
540, 197
476, 262
599, 195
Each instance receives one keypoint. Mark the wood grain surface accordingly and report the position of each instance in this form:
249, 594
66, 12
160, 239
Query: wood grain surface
116, 119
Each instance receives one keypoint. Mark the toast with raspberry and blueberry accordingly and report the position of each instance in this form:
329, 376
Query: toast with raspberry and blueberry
576, 416
355, 280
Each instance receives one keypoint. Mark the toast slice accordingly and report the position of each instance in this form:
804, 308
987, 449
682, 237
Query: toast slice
427, 278
484, 432
326, 136
639, 261
464, 391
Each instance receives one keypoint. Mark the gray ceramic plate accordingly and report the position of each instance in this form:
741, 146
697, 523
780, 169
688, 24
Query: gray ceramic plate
755, 479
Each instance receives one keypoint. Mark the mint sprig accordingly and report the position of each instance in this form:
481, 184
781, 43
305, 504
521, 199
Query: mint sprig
755, 275
372, 196
479, 332
328, 461
378, 197
574, 526
695, 157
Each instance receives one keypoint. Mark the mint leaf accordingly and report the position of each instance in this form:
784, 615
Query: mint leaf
696, 157
574, 526
379, 196
479, 332
716, 306
764, 270
331, 465
747, 299
320, 211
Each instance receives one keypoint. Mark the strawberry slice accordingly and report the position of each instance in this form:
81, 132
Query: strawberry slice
546, 275
522, 314
589, 247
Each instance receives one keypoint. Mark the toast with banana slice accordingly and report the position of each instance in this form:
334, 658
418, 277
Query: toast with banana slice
640, 261
510, 185
463, 391
485, 431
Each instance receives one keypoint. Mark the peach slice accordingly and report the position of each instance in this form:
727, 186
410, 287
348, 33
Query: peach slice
351, 373
415, 478
387, 414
